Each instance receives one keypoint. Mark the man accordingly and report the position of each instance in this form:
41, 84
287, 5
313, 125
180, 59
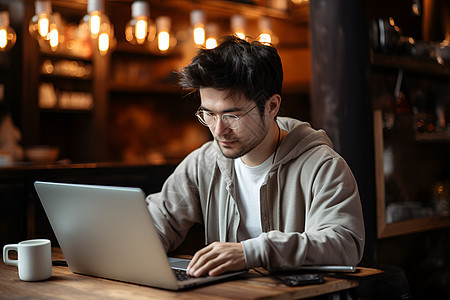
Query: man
269, 191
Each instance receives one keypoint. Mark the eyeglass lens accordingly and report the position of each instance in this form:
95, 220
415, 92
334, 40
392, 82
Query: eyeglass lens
210, 119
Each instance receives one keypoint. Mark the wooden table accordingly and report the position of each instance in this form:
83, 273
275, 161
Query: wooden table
66, 285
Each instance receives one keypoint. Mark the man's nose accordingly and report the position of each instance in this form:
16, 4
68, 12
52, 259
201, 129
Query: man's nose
220, 128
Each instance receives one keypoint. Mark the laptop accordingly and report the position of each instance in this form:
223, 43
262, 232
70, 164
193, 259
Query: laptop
108, 232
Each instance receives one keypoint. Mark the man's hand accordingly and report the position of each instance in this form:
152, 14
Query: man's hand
216, 259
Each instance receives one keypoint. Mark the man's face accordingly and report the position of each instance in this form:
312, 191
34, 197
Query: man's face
252, 128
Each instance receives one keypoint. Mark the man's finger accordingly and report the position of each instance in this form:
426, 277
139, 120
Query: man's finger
199, 259
216, 259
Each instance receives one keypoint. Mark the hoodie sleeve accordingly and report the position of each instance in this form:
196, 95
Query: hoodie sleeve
176, 208
334, 226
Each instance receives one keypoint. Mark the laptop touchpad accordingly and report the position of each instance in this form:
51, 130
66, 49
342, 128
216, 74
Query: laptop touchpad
178, 263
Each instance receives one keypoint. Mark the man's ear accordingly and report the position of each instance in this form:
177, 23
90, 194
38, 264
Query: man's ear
273, 105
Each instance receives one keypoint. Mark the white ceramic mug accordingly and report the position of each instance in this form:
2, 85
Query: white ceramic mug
34, 259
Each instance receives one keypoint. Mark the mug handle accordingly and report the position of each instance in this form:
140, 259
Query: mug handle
6, 249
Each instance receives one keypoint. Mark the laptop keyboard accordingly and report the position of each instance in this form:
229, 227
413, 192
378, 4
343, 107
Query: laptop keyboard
181, 275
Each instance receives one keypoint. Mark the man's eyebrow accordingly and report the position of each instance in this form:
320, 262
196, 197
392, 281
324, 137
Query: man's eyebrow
232, 109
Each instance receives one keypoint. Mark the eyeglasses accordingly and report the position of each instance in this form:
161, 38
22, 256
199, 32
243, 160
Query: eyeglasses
210, 119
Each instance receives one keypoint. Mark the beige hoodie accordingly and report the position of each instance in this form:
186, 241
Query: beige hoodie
310, 207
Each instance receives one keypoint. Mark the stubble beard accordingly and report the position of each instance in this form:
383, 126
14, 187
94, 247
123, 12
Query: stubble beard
233, 152
240, 148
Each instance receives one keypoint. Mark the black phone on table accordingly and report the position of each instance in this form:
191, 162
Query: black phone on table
299, 279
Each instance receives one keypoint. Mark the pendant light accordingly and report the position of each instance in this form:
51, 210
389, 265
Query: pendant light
140, 28
7, 33
96, 23
265, 27
266, 36
212, 33
39, 26
238, 26
198, 25
45, 26
53, 35
165, 39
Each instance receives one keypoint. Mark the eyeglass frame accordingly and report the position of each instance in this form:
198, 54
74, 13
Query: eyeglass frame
237, 118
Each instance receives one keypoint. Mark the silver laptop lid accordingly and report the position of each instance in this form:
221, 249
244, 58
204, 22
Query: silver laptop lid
107, 232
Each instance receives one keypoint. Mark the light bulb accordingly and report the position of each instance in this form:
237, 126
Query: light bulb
197, 22
39, 26
265, 38
212, 34
44, 24
95, 21
416, 8
211, 43
199, 35
265, 27
96, 24
53, 35
3, 38
238, 25
165, 39
54, 38
7, 34
140, 28
103, 42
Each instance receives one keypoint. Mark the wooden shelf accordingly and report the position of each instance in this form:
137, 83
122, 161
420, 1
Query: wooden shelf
433, 137
65, 111
65, 55
146, 88
401, 227
123, 47
414, 225
64, 77
221, 8
410, 64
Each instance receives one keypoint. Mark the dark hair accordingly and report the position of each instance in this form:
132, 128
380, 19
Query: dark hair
253, 70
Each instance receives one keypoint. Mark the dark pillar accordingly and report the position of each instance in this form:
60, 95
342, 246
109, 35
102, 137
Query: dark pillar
340, 100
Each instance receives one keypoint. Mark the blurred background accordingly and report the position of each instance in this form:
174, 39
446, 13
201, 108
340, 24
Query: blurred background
89, 94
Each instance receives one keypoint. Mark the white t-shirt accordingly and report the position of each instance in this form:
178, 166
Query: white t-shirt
249, 181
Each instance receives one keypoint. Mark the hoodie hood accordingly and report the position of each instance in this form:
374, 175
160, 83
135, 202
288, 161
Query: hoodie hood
301, 137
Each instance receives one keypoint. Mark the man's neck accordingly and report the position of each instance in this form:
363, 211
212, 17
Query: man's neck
266, 148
